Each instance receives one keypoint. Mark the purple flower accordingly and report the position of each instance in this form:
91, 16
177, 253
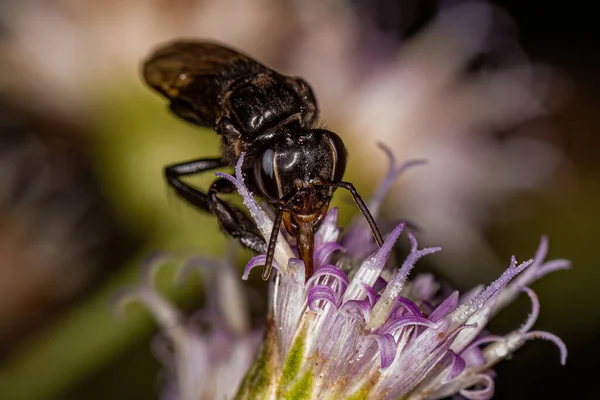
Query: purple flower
203, 354
358, 328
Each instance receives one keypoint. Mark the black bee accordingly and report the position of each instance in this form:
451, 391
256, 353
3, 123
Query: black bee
289, 162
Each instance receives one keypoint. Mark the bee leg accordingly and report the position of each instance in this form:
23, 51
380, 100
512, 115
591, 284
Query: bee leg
231, 219
174, 172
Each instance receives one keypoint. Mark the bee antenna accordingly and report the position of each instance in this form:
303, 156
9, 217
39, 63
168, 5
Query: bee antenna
363, 209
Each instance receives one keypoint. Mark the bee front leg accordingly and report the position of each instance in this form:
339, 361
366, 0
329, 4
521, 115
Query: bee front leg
174, 173
231, 219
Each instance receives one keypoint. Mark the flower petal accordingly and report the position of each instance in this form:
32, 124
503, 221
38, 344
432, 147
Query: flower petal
480, 394
382, 309
257, 261
552, 338
535, 310
457, 367
335, 273
289, 302
387, 348
328, 232
356, 308
324, 251
394, 171
445, 307
320, 293
371, 294
409, 306
466, 310
370, 270
406, 320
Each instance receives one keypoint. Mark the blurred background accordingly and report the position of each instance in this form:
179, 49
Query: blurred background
500, 98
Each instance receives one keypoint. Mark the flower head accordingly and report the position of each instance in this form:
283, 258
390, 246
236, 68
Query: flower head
358, 328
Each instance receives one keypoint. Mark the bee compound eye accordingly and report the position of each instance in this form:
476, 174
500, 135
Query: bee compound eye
338, 154
264, 173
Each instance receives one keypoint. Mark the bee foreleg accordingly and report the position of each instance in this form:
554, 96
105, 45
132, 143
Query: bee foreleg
195, 197
231, 219
237, 224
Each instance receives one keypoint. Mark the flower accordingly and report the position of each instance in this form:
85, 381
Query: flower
357, 328
203, 354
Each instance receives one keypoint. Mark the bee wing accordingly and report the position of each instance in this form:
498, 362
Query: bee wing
193, 74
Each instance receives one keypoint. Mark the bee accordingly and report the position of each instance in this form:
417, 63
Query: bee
289, 160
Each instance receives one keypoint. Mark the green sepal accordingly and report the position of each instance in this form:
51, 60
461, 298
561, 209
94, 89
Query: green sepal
261, 377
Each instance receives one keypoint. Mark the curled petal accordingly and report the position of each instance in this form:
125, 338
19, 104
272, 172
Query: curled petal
422, 252
387, 348
323, 252
554, 339
411, 307
147, 294
394, 171
166, 314
318, 293
197, 262
257, 213
122, 298
329, 270
371, 295
457, 367
256, 261
357, 308
535, 310
407, 320
480, 394
151, 266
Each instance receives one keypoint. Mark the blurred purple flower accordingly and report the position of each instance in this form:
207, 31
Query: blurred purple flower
205, 355
357, 328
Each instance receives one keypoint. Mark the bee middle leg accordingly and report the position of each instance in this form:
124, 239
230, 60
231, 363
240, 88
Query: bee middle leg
231, 219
